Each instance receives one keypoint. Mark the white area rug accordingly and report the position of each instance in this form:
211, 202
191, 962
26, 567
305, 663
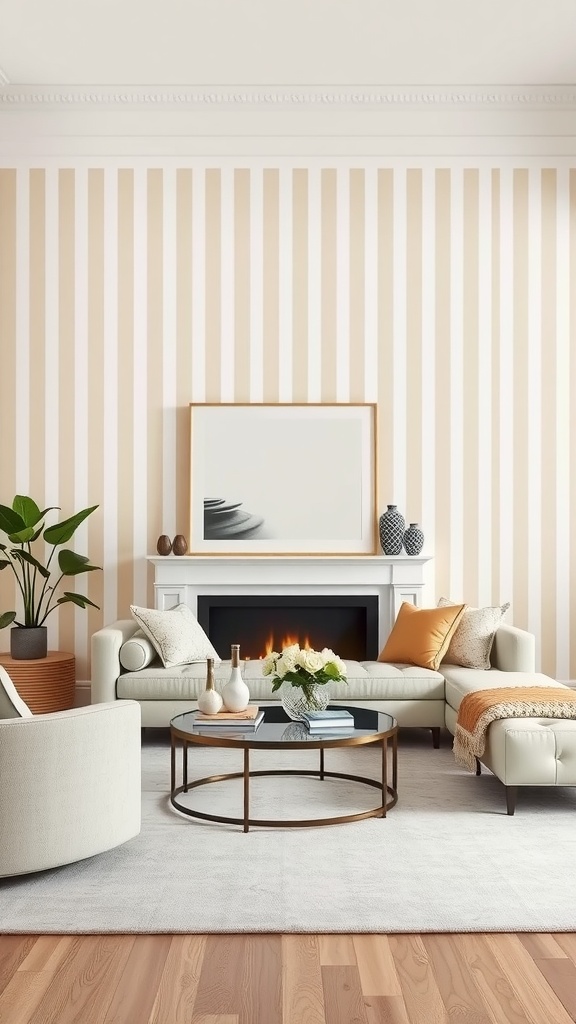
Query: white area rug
447, 857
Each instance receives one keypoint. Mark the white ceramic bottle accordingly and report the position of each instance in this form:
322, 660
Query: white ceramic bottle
209, 701
236, 694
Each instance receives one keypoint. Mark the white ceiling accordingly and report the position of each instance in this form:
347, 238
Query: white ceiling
282, 42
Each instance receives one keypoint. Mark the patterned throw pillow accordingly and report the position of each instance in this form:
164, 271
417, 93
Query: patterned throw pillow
472, 641
176, 634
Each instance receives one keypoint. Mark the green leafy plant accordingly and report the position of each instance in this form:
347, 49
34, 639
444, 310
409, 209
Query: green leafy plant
24, 525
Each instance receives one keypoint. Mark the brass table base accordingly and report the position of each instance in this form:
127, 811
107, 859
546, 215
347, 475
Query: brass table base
388, 791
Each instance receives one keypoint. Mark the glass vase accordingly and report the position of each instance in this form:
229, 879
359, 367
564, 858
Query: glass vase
297, 699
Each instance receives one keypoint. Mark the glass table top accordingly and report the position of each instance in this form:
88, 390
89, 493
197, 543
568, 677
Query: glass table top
278, 729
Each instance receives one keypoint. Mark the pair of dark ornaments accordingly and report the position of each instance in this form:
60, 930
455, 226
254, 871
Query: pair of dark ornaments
178, 546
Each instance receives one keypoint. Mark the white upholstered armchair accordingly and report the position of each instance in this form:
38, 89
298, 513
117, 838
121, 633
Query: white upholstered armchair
70, 783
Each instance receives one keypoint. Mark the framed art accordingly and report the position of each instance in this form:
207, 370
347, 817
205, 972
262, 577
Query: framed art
283, 479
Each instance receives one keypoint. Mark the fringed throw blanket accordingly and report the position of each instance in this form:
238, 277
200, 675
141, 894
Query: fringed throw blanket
479, 709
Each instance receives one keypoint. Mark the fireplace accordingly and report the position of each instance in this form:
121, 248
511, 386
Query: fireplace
267, 579
347, 624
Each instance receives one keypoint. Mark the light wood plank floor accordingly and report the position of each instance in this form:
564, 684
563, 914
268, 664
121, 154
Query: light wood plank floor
288, 979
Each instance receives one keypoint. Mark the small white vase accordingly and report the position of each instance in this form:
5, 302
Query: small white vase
236, 694
209, 701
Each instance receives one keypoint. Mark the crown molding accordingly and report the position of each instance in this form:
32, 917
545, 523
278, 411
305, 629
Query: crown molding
290, 98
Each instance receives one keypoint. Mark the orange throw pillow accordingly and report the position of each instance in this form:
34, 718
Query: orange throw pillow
421, 636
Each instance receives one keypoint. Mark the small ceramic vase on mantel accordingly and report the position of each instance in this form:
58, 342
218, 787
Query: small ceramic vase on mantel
391, 527
164, 545
210, 702
179, 545
413, 540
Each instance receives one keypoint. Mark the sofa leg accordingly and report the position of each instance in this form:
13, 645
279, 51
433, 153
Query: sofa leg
478, 767
436, 736
511, 794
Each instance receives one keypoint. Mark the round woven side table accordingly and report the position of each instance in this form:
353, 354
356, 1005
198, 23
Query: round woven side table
45, 684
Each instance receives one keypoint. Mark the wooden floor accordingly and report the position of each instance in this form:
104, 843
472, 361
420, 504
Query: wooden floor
288, 979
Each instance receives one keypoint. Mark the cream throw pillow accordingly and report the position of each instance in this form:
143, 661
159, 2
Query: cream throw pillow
176, 634
472, 640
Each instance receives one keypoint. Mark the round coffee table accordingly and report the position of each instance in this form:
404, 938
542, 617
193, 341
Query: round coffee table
278, 732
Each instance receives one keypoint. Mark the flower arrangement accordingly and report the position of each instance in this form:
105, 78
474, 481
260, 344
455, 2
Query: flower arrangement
304, 667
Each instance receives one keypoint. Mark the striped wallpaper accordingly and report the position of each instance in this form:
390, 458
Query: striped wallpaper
446, 294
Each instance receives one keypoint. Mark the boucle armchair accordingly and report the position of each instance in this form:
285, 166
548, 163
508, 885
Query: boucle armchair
70, 781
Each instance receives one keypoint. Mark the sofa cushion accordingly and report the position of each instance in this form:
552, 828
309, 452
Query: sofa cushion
366, 681
420, 636
176, 634
473, 637
460, 681
137, 652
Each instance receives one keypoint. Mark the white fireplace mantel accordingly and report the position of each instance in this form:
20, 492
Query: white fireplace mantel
394, 579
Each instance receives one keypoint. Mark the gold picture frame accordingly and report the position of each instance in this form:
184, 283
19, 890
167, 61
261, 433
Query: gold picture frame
283, 479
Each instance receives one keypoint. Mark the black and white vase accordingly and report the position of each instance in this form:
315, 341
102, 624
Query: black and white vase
413, 540
392, 525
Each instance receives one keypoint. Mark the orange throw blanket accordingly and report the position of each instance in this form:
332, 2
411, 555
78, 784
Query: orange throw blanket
478, 710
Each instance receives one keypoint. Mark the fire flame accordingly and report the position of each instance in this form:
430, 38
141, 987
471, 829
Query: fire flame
286, 641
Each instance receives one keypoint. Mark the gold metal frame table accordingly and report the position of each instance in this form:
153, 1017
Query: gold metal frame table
278, 732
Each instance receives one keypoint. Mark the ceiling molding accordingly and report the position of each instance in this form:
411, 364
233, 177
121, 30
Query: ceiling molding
289, 98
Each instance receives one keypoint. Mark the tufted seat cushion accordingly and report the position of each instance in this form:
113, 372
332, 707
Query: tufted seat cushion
366, 680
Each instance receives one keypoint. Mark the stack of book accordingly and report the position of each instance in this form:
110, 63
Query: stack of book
333, 721
242, 721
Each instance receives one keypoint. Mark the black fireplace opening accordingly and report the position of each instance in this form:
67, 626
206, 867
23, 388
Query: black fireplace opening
346, 624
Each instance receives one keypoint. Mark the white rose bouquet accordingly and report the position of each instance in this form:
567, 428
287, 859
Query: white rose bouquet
303, 667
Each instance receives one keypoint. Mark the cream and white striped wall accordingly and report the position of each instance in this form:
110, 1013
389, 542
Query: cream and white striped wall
443, 291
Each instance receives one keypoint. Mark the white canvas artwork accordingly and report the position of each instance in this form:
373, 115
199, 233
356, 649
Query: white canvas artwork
282, 478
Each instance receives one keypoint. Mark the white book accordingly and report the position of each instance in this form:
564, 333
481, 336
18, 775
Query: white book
236, 724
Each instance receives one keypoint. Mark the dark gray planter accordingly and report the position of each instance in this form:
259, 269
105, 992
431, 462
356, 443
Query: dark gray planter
28, 643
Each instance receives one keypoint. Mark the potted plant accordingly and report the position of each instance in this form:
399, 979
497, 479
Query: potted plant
37, 578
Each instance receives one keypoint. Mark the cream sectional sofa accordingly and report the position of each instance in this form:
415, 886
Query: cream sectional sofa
535, 752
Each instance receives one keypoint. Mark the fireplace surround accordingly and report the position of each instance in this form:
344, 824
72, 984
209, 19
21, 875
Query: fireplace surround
389, 579
345, 623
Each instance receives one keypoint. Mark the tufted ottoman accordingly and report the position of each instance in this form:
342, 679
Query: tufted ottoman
519, 751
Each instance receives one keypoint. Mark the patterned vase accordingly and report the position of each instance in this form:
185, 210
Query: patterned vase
413, 540
392, 525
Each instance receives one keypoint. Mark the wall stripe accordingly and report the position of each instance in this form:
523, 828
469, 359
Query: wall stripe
22, 392
484, 433
534, 403
446, 294
549, 440
144, 538
561, 641
506, 396
456, 260
314, 327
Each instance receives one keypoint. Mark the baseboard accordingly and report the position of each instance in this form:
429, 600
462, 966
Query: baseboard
83, 694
